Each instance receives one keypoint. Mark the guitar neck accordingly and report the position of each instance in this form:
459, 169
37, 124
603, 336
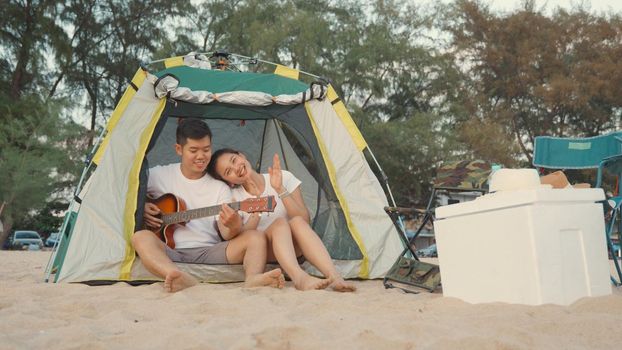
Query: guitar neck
184, 216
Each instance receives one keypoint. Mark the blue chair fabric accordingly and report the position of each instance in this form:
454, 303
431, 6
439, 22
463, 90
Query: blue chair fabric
598, 152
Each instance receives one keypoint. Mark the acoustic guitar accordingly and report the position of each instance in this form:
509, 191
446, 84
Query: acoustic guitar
175, 212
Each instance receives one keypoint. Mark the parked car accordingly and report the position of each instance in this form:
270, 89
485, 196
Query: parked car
428, 252
52, 239
24, 239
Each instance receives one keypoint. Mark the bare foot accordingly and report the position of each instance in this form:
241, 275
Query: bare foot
308, 282
177, 280
273, 278
340, 285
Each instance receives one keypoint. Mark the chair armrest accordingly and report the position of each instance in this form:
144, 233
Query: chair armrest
613, 163
615, 160
403, 210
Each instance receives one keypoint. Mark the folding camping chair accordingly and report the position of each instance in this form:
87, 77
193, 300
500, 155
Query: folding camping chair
599, 152
454, 177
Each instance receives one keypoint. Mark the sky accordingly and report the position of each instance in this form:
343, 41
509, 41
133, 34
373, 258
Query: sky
596, 6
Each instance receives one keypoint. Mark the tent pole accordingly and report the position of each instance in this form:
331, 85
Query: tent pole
271, 63
384, 177
263, 141
278, 135
400, 219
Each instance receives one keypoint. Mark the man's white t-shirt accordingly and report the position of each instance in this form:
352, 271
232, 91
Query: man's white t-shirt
290, 182
199, 193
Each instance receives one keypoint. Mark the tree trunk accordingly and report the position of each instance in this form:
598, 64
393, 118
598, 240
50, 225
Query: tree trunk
521, 144
58, 80
93, 96
7, 226
23, 56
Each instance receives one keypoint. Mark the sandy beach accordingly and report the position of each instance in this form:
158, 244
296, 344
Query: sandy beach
38, 315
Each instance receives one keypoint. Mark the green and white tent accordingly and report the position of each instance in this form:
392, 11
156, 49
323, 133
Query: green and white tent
258, 113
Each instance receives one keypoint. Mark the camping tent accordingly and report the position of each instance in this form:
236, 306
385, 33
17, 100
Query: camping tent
258, 113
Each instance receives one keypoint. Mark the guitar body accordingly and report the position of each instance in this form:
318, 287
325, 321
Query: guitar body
175, 212
169, 204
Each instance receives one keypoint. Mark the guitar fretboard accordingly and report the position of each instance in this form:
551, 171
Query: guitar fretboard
184, 216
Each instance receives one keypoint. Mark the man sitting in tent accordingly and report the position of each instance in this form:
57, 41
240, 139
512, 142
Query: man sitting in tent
199, 241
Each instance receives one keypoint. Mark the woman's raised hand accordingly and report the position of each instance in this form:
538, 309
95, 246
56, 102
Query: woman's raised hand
276, 177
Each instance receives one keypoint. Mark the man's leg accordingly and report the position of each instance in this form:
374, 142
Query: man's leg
152, 252
314, 250
250, 249
281, 248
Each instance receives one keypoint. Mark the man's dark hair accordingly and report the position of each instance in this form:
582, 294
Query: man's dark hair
192, 128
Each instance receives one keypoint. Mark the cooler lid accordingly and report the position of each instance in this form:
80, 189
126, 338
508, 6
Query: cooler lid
506, 199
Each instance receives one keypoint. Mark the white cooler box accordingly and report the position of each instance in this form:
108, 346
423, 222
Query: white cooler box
530, 247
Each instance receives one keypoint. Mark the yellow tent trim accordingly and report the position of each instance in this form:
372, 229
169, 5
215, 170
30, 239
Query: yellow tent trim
331, 94
287, 72
346, 119
132, 193
332, 174
174, 62
129, 93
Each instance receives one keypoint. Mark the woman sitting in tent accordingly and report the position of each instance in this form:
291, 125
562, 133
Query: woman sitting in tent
288, 231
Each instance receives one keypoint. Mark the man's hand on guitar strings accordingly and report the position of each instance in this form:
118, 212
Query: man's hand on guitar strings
151, 215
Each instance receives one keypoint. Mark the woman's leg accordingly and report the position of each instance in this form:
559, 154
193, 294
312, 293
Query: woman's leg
281, 248
314, 250
249, 248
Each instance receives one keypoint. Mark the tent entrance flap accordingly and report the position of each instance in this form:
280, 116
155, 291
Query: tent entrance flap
260, 132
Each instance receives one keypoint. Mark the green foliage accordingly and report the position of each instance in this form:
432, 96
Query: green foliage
371, 53
37, 146
409, 151
539, 75
37, 156
108, 43
28, 31
486, 138
47, 220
